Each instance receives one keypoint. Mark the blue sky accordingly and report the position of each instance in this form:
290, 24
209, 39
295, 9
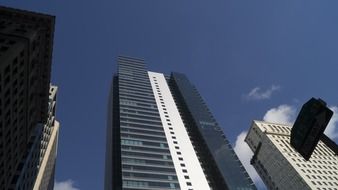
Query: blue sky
245, 57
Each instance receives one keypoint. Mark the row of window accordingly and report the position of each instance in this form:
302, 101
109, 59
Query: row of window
321, 151
152, 155
280, 129
153, 169
143, 131
145, 184
131, 142
327, 167
323, 178
321, 169
144, 149
136, 111
172, 133
143, 108
135, 116
142, 126
143, 137
326, 184
140, 121
150, 176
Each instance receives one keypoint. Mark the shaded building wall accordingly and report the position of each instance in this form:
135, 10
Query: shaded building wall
140, 155
26, 40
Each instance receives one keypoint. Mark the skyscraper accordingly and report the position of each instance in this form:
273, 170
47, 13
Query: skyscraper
161, 135
26, 100
282, 167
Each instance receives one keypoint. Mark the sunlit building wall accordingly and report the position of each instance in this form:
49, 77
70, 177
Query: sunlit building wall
281, 167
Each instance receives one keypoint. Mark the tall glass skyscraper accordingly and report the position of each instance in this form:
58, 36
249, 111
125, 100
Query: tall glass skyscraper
161, 135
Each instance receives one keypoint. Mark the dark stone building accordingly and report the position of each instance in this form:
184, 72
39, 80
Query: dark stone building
26, 43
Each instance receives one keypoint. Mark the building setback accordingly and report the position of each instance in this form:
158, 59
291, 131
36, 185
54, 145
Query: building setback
282, 167
161, 135
28, 132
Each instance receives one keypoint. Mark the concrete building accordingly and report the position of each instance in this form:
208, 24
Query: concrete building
48, 147
281, 167
26, 43
161, 135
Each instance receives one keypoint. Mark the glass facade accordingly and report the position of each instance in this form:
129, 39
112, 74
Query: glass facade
144, 154
220, 162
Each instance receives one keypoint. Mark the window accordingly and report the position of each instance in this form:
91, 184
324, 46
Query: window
172, 185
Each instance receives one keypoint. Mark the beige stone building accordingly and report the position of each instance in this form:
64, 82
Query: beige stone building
281, 167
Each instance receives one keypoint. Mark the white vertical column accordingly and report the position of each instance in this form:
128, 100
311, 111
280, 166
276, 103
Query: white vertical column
189, 171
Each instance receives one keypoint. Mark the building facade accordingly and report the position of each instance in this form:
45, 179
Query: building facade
161, 135
26, 42
282, 167
48, 147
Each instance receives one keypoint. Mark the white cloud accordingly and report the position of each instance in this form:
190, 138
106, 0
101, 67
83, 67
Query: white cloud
332, 128
284, 114
281, 114
65, 185
244, 153
257, 94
